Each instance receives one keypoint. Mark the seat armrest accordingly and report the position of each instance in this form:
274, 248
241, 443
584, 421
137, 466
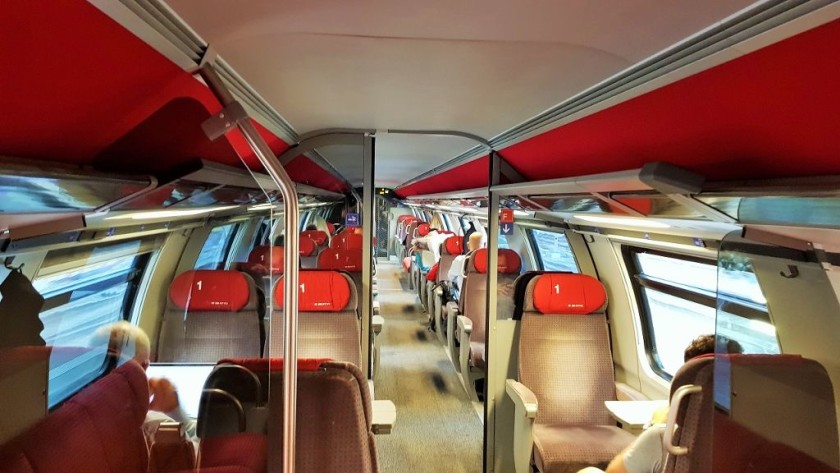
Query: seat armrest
523, 424
624, 392
465, 326
370, 388
376, 323
522, 397
376, 307
384, 416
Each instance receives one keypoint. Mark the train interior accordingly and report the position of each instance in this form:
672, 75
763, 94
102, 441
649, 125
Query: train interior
279, 236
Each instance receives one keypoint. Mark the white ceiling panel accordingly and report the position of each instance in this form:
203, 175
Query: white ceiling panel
481, 66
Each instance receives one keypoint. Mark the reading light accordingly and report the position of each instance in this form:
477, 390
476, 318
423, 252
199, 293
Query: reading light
626, 221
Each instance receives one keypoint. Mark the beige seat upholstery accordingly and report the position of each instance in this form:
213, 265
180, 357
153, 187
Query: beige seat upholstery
471, 325
328, 324
566, 374
210, 315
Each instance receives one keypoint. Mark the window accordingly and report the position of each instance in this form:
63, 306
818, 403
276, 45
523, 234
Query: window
76, 303
680, 301
216, 248
503, 243
553, 251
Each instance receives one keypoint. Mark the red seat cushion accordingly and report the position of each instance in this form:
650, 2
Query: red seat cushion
432, 274
509, 261
568, 294
318, 291
338, 259
210, 290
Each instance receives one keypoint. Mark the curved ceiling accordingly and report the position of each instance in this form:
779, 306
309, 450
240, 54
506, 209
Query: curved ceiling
477, 66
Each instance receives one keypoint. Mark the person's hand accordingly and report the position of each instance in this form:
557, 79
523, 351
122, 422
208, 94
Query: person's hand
164, 398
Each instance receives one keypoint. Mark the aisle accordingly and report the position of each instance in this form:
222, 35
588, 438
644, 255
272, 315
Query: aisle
437, 429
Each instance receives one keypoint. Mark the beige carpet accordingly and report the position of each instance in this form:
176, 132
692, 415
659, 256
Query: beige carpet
437, 429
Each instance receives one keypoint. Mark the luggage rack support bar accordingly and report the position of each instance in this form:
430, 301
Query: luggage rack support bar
290, 278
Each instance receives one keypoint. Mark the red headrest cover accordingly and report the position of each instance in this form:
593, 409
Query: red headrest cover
317, 236
265, 256
210, 290
306, 246
264, 365
318, 291
423, 229
454, 245
348, 241
566, 294
432, 274
509, 261
341, 259
331, 228
403, 218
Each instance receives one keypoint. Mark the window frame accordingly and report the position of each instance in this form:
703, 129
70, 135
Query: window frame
532, 241
715, 301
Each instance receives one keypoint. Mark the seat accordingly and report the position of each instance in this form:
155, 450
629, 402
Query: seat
328, 324
334, 415
210, 315
309, 248
347, 240
565, 375
451, 248
99, 430
733, 422
471, 325
320, 238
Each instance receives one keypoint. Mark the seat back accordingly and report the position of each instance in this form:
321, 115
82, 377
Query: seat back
347, 260
328, 325
755, 413
334, 415
450, 249
564, 349
210, 315
23, 381
347, 240
320, 238
474, 292
99, 430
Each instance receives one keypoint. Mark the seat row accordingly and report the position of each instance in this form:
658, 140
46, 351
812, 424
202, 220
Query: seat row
100, 429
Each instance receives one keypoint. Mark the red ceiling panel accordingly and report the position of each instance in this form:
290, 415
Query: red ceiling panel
772, 113
77, 87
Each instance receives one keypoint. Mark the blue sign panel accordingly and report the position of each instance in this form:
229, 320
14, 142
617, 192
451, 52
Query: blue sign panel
351, 220
506, 228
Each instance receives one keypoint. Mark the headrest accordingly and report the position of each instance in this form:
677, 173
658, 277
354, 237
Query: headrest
339, 259
509, 261
273, 365
454, 245
318, 291
331, 228
210, 290
317, 236
403, 218
348, 241
433, 272
568, 294
423, 229
265, 256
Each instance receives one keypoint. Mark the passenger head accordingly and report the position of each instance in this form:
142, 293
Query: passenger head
125, 342
474, 242
702, 345
311, 227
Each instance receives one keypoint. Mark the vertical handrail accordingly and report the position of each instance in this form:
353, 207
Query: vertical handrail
290, 267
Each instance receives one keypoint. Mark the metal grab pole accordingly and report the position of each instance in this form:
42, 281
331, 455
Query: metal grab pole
290, 267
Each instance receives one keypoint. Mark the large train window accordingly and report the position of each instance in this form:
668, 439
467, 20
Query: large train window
553, 251
78, 301
216, 248
679, 296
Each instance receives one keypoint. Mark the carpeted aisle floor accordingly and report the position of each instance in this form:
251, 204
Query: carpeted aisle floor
437, 429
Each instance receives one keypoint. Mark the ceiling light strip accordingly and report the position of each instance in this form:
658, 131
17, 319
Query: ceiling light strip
748, 23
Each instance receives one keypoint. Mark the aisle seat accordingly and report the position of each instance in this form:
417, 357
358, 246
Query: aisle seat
310, 246
211, 314
328, 323
565, 375
471, 325
320, 238
450, 249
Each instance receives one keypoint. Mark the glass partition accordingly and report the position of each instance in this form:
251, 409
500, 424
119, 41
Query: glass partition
775, 389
